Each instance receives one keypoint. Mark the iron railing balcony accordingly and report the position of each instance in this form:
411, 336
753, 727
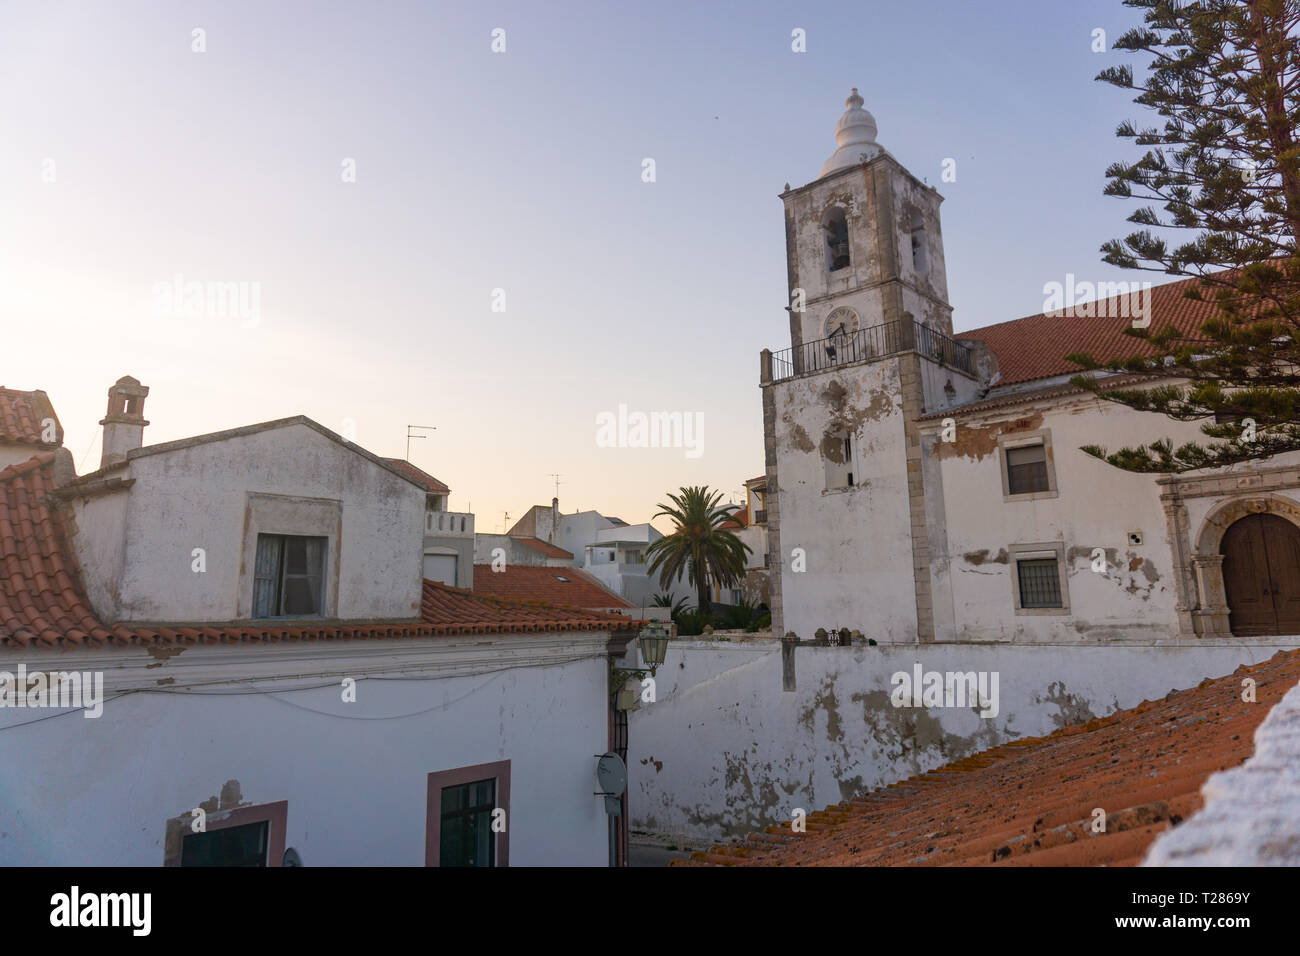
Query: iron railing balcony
891, 338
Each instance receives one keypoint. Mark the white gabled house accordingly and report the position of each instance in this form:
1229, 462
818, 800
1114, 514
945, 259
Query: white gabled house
276, 682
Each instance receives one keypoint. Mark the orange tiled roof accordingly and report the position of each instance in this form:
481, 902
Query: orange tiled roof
1030, 802
431, 484
21, 414
737, 519
42, 603
1035, 347
532, 583
545, 547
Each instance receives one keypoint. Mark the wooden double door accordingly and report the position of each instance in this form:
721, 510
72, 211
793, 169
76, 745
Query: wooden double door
1261, 573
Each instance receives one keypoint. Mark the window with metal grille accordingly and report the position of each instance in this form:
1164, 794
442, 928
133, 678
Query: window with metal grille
1026, 470
287, 576
466, 821
1040, 583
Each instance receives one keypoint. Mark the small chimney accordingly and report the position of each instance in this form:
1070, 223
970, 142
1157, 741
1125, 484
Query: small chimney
555, 519
124, 423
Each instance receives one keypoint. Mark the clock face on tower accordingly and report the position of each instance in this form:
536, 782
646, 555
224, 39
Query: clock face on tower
841, 323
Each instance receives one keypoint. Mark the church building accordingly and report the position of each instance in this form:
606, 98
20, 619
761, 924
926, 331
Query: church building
929, 486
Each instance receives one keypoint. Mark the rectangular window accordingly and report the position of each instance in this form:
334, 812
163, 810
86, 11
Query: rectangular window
287, 575
463, 806
243, 836
1027, 470
466, 826
1040, 583
245, 845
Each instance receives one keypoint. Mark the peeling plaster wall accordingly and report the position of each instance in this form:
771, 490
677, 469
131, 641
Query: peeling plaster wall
197, 497
723, 752
857, 541
1096, 506
355, 775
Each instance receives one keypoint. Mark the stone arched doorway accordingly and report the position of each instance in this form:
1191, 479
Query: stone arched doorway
1261, 575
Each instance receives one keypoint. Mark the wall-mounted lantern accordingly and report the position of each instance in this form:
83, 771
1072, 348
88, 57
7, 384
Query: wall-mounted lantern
653, 643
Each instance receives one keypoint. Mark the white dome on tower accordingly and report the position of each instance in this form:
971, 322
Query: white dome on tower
856, 135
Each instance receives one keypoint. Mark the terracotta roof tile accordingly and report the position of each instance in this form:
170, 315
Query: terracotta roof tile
737, 519
544, 547
1030, 802
21, 415
532, 583
1035, 347
42, 602
431, 484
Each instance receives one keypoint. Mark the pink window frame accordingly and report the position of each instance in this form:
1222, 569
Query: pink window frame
277, 814
500, 771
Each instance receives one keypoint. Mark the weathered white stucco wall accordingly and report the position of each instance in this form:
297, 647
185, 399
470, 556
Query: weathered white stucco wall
724, 750
1096, 506
99, 792
856, 542
216, 495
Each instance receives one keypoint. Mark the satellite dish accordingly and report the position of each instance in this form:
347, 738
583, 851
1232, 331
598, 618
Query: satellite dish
611, 774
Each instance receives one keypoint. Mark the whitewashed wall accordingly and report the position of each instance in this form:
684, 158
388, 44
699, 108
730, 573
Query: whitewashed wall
856, 542
99, 792
1097, 505
196, 496
724, 750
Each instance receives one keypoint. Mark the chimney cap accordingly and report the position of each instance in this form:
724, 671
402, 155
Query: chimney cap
126, 385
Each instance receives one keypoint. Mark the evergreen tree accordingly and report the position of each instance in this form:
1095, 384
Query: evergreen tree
1224, 168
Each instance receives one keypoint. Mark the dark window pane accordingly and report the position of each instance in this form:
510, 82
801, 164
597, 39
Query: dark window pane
301, 596
1027, 470
451, 850
295, 555
1040, 583
230, 846
453, 799
466, 825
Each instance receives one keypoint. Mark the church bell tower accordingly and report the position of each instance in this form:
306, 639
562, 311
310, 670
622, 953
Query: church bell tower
871, 351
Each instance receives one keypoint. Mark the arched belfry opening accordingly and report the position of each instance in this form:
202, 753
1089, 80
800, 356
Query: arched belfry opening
836, 227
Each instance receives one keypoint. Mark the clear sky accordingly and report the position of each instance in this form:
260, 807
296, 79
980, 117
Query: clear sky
129, 159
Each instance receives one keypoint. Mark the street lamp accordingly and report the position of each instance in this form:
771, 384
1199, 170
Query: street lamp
653, 642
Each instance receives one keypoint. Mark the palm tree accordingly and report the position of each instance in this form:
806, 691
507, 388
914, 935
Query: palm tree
697, 546
675, 608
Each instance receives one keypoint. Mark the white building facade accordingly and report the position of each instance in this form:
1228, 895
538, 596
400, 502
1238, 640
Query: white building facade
925, 487
263, 677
